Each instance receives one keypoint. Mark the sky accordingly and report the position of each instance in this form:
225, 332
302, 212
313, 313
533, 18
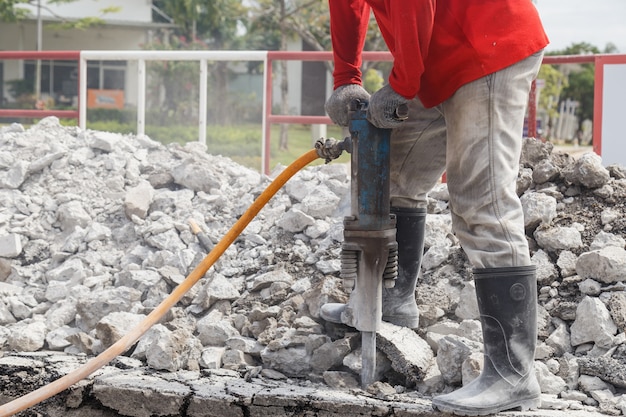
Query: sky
597, 22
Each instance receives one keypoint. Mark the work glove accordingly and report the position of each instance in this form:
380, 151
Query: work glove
387, 109
338, 104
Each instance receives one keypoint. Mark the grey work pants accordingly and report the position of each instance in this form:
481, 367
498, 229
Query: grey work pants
476, 138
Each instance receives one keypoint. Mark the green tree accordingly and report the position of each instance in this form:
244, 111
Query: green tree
610, 48
580, 48
581, 89
207, 25
214, 22
14, 11
372, 80
274, 23
553, 83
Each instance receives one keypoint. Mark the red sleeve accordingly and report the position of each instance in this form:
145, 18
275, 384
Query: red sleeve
348, 27
407, 28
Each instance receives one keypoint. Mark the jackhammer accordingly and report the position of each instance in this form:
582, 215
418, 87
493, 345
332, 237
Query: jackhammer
369, 257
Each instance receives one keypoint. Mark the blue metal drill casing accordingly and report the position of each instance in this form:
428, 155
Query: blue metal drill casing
369, 251
371, 153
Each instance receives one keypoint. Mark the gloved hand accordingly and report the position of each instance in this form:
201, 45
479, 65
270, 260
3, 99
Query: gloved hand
387, 109
338, 104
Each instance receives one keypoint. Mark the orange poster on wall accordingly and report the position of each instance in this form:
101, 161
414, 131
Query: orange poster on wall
105, 99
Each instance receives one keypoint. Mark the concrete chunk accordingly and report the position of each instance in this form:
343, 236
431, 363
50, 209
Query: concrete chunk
10, 245
410, 355
137, 200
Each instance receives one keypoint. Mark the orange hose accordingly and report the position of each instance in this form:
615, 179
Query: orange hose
122, 345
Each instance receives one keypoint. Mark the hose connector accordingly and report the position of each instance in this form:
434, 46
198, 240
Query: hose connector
331, 148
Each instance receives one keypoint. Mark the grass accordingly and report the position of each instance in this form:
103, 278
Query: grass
241, 143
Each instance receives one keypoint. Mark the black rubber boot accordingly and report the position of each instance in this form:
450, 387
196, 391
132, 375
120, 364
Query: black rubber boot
507, 300
399, 306
398, 303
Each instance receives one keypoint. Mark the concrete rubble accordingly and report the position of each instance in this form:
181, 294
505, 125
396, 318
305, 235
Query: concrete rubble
94, 234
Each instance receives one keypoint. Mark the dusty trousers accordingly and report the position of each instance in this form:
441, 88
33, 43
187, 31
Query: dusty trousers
475, 137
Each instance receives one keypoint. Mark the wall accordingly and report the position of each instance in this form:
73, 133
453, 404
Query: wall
23, 36
135, 11
612, 123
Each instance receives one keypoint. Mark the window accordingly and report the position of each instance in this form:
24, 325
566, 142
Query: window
59, 79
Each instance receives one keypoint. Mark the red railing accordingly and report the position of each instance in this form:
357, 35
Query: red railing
35, 55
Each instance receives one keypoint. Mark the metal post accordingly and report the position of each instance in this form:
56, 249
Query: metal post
532, 110
82, 92
267, 108
39, 48
202, 107
141, 97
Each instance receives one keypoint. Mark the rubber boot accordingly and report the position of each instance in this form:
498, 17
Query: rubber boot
507, 300
398, 303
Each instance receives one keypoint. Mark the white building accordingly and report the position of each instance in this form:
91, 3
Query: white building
126, 29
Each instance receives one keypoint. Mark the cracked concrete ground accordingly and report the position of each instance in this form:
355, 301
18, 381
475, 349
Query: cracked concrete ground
121, 389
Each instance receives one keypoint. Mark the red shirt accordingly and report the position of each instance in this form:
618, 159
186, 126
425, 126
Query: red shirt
437, 45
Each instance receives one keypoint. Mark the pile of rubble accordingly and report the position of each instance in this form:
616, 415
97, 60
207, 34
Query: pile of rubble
94, 234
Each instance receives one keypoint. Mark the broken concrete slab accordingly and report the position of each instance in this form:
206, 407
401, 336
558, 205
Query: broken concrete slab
121, 389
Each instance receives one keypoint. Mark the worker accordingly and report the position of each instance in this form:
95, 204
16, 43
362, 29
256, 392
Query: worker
464, 69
